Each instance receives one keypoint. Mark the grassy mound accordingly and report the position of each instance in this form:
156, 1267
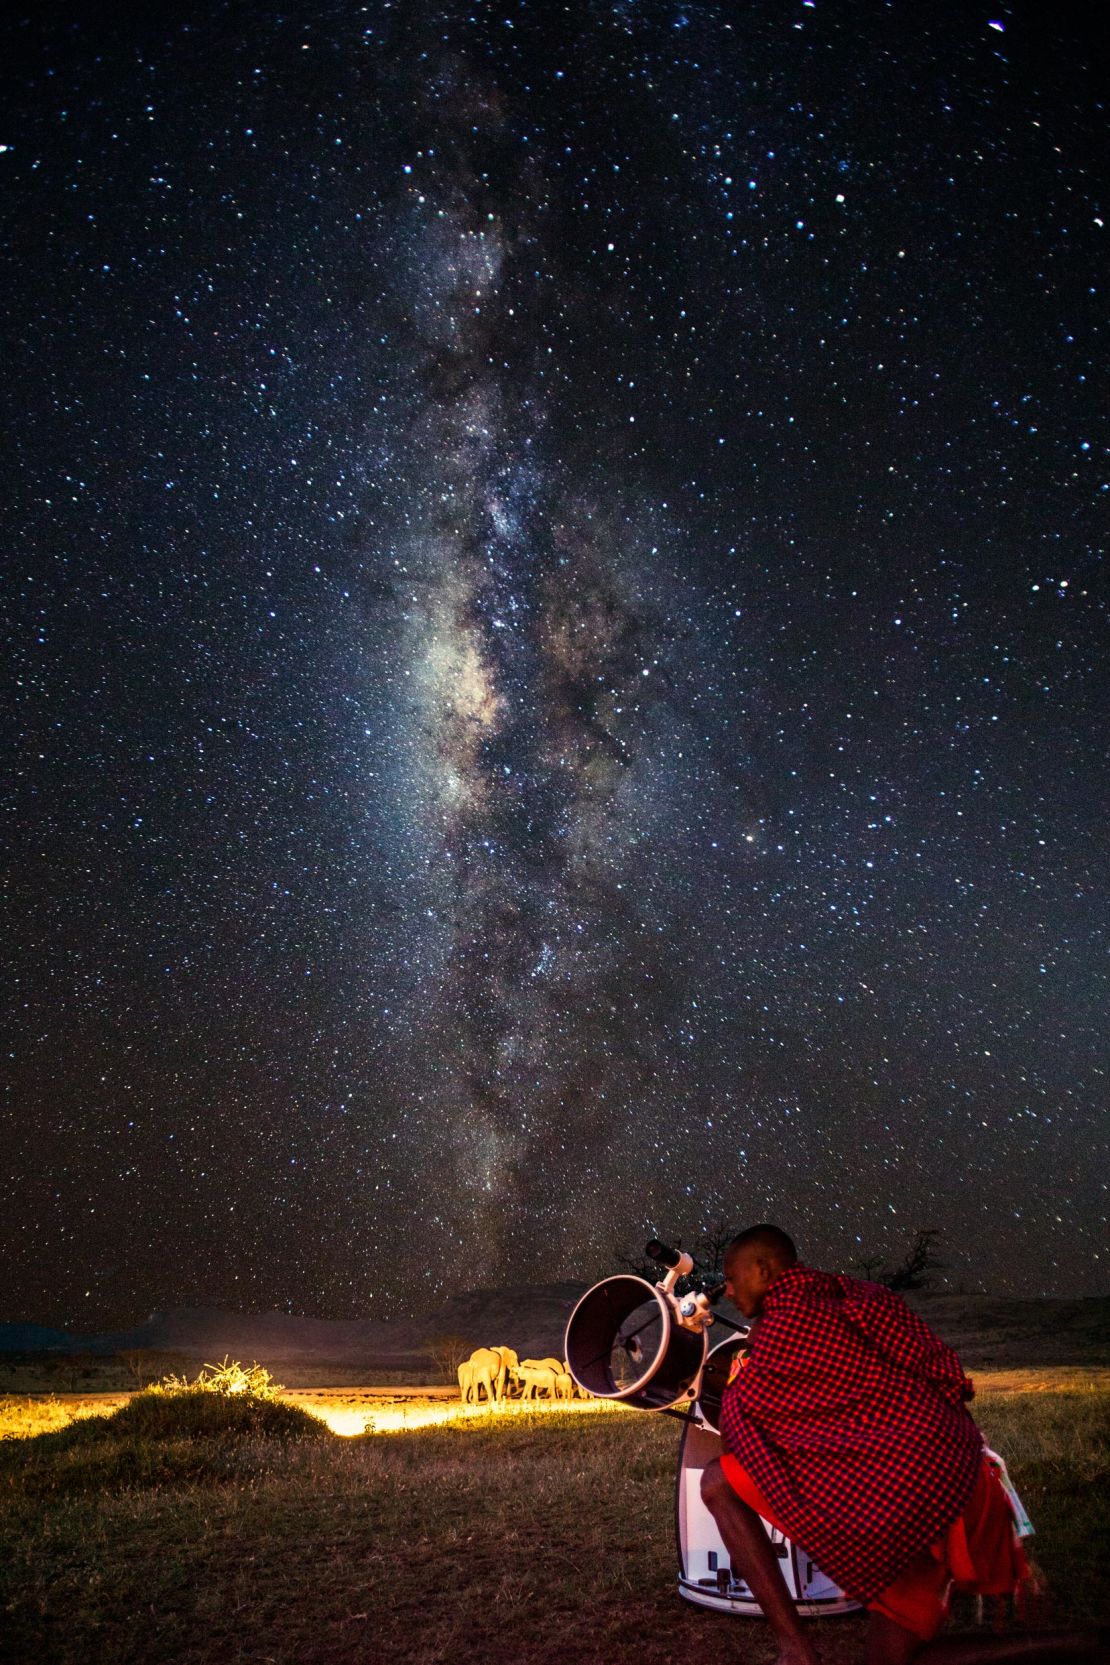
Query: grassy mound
195, 1413
180, 1437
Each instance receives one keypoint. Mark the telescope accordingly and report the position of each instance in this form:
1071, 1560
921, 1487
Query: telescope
641, 1343
646, 1346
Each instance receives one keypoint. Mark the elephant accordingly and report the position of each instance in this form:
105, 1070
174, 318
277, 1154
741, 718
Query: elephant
537, 1378
485, 1368
466, 1381
568, 1387
512, 1365
564, 1381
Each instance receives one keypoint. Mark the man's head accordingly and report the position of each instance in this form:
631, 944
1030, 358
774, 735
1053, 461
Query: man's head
752, 1262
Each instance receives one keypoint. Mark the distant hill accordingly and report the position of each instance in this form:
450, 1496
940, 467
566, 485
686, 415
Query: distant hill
530, 1319
34, 1338
985, 1330
1006, 1330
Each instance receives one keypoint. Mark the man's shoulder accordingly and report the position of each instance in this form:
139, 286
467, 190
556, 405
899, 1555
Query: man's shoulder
879, 1303
804, 1286
799, 1282
883, 1314
807, 1300
801, 1301
880, 1293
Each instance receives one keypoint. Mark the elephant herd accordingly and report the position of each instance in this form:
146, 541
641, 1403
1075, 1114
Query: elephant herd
497, 1373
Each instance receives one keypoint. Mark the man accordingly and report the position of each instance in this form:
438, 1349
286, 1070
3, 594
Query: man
846, 1429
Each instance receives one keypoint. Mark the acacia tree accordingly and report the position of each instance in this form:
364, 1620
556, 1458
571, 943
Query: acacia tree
915, 1269
709, 1248
918, 1265
151, 1364
447, 1352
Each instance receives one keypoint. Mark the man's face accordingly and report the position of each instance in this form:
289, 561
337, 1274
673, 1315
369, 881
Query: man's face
747, 1280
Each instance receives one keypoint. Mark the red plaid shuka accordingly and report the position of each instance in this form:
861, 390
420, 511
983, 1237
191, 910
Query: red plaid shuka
849, 1417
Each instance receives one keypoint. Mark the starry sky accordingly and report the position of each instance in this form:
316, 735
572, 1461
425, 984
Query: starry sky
556, 665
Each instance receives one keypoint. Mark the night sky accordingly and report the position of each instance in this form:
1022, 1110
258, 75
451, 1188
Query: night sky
556, 672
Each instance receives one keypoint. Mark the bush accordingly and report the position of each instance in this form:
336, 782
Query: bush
228, 1378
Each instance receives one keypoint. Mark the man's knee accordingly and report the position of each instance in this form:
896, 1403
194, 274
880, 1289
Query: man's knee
714, 1486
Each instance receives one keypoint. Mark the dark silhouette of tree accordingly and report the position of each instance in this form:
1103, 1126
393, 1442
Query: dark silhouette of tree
447, 1352
77, 1368
152, 1364
709, 1248
915, 1269
638, 1264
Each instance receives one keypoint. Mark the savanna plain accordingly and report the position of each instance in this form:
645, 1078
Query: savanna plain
199, 1529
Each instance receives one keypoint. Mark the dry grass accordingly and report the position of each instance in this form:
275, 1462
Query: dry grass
546, 1537
24, 1418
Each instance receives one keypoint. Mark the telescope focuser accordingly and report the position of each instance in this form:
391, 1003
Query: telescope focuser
692, 1310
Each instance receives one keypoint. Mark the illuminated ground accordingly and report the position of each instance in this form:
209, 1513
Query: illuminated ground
371, 1409
346, 1410
396, 1410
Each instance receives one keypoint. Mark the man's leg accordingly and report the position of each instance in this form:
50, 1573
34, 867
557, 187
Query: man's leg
752, 1556
889, 1644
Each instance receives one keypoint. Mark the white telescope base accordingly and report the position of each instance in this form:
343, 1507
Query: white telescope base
704, 1573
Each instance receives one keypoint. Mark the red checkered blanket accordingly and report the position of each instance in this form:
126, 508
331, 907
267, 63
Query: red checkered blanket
849, 1415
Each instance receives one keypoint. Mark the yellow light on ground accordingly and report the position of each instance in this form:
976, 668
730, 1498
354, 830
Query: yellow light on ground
350, 1421
340, 1421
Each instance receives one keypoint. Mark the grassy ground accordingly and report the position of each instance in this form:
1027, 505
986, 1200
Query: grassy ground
546, 1538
